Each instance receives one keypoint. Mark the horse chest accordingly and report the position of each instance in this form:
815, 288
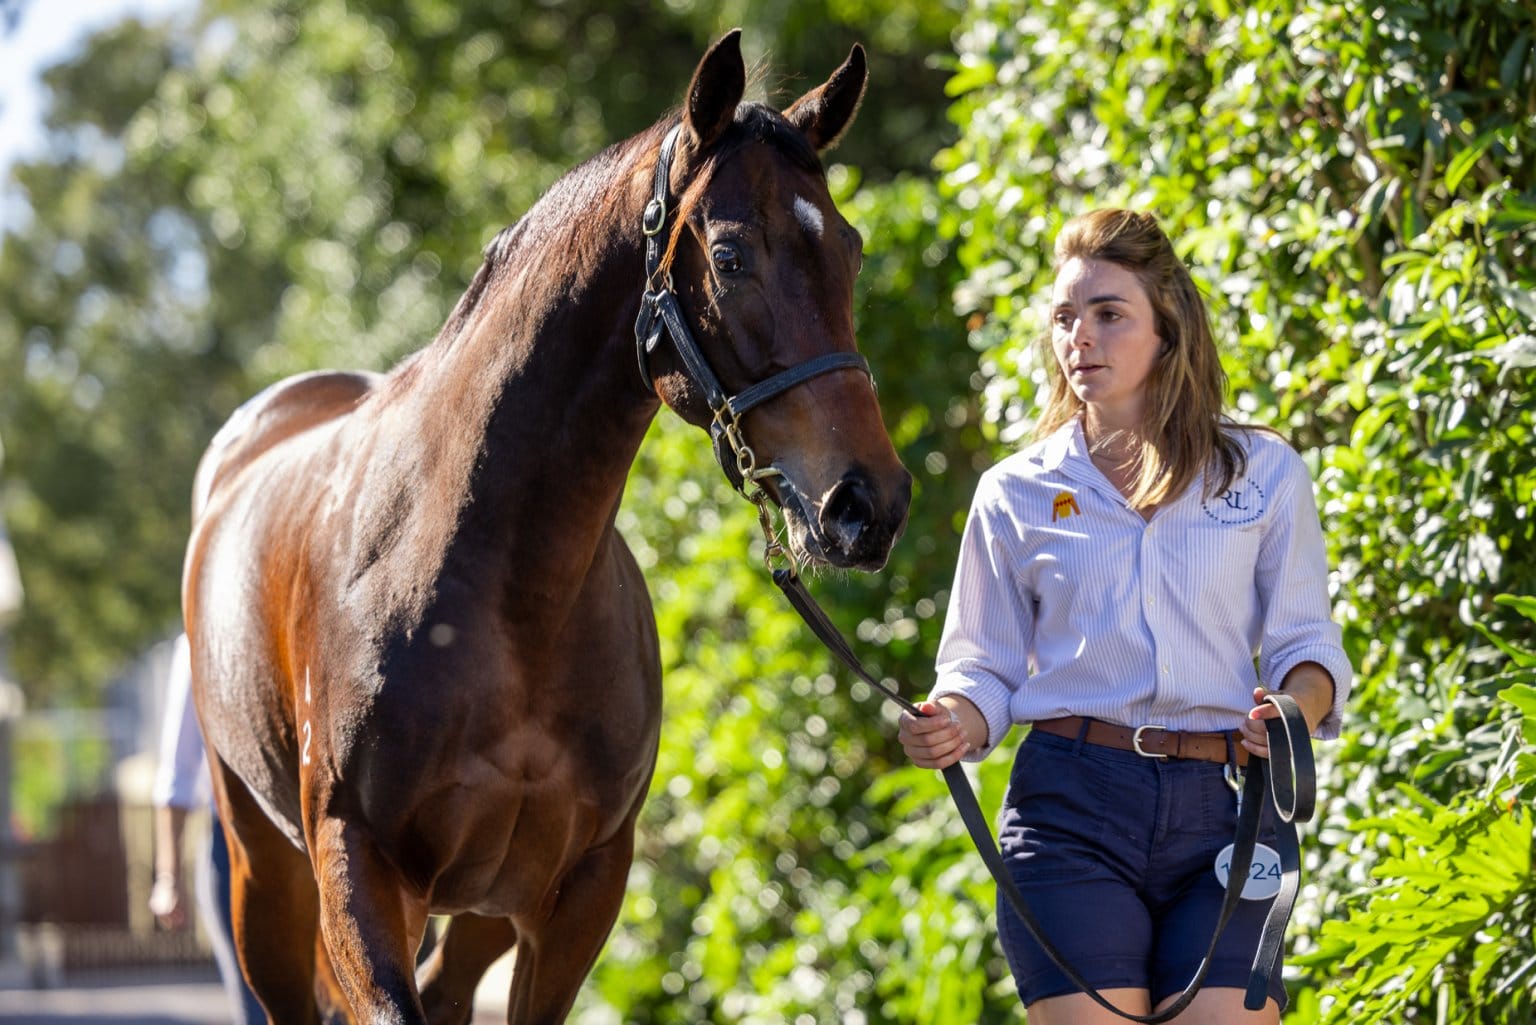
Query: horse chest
492, 821
512, 725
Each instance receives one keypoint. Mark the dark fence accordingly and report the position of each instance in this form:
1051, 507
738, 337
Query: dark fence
81, 893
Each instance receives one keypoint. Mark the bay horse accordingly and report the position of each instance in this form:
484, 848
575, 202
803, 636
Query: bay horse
425, 662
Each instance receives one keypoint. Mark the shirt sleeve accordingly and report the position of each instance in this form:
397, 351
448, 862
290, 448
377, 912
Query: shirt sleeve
984, 650
180, 778
1292, 578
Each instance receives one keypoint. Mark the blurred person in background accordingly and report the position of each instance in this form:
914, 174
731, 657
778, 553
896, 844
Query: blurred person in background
181, 785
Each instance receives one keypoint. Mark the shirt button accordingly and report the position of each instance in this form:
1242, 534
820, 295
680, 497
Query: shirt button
1165, 670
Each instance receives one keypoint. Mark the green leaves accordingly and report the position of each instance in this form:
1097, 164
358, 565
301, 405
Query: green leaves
1447, 919
1462, 163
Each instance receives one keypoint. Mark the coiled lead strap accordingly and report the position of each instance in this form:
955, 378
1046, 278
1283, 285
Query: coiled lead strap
1293, 786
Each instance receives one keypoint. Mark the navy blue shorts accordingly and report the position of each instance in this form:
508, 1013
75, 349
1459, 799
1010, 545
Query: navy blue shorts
1114, 854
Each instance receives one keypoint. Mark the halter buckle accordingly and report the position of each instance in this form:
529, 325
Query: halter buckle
654, 218
1136, 741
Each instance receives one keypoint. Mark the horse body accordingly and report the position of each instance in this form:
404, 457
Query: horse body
424, 660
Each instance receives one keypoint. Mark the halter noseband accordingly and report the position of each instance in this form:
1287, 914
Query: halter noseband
660, 312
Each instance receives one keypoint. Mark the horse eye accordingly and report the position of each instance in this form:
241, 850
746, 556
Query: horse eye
727, 259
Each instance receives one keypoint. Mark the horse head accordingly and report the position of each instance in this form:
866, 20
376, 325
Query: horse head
762, 266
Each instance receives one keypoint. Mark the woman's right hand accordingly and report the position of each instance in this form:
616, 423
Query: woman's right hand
937, 738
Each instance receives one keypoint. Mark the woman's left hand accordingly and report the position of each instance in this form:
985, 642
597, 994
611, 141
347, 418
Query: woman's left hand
1311, 686
1255, 733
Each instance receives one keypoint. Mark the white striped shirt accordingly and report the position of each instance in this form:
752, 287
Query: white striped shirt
1067, 602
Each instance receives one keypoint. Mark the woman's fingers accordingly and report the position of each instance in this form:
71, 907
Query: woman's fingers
1255, 733
932, 740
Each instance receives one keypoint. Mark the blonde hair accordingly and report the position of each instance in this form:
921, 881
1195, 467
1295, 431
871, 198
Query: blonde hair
1182, 431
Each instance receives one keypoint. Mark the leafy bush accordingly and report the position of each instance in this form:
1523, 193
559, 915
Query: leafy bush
1448, 920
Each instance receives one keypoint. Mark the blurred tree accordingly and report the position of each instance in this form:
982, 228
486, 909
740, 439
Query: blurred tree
102, 310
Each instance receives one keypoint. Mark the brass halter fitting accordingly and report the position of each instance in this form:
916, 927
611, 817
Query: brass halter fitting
752, 475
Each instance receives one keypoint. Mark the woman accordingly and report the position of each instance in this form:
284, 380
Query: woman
1123, 572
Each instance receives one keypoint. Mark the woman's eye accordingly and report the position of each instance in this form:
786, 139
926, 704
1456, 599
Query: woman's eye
727, 259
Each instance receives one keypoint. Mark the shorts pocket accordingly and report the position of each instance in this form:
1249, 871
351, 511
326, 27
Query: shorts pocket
1056, 814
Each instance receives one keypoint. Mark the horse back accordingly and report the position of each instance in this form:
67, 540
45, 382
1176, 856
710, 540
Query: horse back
287, 408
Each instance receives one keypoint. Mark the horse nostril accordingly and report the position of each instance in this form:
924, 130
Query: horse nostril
848, 511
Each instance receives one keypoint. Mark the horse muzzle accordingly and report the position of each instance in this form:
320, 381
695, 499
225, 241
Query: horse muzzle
853, 525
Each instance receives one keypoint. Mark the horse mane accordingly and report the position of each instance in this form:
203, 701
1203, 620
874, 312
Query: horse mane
574, 203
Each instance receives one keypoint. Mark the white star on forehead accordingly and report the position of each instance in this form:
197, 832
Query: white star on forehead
809, 217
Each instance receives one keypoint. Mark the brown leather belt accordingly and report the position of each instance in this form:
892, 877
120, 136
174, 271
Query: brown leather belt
1150, 741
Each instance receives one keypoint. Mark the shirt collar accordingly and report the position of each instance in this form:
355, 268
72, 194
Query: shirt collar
1066, 442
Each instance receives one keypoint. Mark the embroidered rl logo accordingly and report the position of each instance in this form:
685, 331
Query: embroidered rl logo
1064, 505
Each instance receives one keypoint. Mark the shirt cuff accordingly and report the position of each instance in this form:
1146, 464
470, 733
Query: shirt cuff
991, 698
1336, 664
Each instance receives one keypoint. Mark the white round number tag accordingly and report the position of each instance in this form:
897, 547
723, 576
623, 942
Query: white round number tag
1263, 875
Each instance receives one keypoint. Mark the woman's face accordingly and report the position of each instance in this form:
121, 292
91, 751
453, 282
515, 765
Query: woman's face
1104, 335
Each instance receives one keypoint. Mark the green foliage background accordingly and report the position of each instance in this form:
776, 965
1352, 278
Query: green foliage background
280, 186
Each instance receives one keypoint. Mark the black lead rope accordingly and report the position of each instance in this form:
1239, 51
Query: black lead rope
1289, 777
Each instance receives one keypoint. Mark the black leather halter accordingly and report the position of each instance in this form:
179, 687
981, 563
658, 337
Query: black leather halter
660, 313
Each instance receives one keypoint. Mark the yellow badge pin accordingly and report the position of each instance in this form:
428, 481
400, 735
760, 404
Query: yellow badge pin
1064, 505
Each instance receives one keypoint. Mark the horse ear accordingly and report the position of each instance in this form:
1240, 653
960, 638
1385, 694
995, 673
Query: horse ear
825, 112
716, 89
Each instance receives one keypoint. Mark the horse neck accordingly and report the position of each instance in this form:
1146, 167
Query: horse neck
534, 389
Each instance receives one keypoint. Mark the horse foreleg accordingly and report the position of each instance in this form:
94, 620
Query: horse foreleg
273, 902
328, 993
554, 958
371, 924
469, 945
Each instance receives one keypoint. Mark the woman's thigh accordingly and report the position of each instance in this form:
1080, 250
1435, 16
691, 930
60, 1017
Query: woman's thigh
1067, 834
1222, 1005
1079, 1009
1217, 1006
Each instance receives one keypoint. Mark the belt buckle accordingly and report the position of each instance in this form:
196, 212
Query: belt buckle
1136, 741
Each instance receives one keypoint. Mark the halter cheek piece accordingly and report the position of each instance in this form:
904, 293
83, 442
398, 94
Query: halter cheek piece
660, 314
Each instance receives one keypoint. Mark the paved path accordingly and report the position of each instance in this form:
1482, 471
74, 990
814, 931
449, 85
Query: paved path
179, 999
184, 998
